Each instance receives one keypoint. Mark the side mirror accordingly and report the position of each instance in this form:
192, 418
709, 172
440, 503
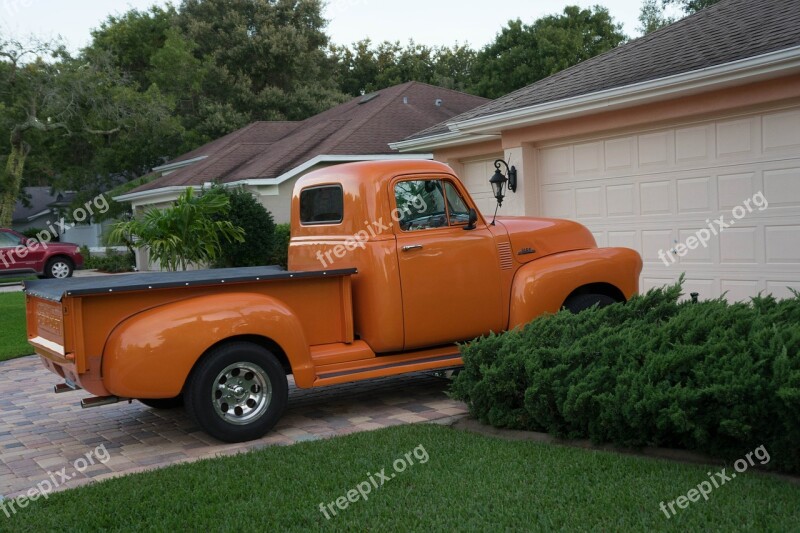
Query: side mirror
473, 220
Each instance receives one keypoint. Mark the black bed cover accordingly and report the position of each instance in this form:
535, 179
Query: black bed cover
55, 290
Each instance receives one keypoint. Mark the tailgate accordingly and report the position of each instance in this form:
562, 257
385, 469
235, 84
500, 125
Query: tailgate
46, 328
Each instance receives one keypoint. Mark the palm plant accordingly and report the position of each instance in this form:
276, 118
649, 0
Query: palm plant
188, 232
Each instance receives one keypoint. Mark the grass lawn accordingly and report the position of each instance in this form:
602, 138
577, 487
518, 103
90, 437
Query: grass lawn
13, 336
469, 483
16, 279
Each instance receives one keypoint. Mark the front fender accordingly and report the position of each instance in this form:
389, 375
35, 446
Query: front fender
543, 285
151, 354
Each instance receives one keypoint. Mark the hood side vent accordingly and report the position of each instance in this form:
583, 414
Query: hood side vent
506, 257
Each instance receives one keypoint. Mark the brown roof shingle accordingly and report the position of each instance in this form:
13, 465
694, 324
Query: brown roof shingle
726, 32
362, 126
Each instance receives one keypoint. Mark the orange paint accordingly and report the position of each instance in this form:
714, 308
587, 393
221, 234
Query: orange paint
424, 282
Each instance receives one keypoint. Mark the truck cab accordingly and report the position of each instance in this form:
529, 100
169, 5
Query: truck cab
431, 269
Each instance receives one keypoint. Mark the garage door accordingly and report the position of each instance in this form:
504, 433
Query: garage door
476, 176
718, 200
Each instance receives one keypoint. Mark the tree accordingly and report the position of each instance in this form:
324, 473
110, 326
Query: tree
652, 17
185, 233
523, 54
267, 57
48, 96
226, 63
259, 230
133, 38
364, 67
653, 14
691, 6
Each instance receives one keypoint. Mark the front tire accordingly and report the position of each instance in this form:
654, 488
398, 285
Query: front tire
59, 268
237, 392
581, 302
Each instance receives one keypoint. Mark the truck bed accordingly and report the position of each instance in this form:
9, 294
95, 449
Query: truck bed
57, 290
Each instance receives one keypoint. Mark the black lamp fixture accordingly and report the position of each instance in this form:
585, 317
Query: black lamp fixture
499, 182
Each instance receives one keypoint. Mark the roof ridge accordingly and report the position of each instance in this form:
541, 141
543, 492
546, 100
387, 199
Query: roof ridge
370, 116
211, 160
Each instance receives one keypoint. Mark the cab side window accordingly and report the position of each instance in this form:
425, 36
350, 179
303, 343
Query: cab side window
420, 205
456, 206
429, 204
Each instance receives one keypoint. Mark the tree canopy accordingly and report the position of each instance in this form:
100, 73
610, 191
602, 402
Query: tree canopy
525, 53
653, 14
73, 117
156, 83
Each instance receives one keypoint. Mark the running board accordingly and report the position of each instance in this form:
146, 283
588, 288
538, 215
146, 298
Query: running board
383, 366
61, 388
98, 401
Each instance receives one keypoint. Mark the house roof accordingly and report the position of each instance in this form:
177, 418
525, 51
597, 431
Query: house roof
40, 202
729, 31
363, 126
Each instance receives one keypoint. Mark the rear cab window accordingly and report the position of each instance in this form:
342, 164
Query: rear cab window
322, 205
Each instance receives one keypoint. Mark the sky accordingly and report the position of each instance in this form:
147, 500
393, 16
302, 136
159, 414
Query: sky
430, 22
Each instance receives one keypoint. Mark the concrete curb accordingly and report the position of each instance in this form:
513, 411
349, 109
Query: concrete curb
680, 456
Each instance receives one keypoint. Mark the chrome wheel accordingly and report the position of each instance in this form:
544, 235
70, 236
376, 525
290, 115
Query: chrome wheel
237, 392
60, 270
242, 393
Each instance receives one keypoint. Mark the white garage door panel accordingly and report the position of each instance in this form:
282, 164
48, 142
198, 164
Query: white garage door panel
653, 191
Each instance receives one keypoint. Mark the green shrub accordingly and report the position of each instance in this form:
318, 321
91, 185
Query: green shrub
113, 262
714, 377
259, 230
280, 248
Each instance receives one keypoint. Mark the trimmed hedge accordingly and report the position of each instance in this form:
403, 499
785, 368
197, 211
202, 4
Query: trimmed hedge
280, 251
113, 262
249, 214
713, 377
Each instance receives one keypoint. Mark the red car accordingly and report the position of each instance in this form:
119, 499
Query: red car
21, 255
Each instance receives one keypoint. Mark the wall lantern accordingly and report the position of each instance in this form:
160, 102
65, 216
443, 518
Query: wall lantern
499, 183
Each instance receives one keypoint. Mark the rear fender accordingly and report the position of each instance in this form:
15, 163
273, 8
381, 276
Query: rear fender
151, 354
544, 285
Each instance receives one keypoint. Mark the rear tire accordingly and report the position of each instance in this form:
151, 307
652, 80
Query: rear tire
59, 268
582, 302
237, 392
163, 404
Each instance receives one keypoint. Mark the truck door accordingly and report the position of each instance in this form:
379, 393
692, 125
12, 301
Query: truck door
450, 276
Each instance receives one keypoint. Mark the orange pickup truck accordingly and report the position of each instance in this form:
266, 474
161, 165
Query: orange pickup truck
390, 266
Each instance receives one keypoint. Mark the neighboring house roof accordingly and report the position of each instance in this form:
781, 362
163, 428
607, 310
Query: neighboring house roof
730, 31
363, 126
41, 200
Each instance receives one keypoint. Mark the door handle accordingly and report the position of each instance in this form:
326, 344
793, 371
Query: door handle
412, 248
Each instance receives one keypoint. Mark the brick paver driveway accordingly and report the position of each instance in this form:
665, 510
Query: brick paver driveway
41, 432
